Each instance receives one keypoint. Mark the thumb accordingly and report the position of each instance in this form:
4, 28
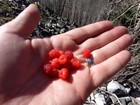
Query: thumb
25, 22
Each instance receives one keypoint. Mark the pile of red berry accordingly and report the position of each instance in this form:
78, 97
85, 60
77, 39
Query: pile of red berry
61, 63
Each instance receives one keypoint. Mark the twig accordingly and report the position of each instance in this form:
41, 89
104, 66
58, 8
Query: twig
112, 95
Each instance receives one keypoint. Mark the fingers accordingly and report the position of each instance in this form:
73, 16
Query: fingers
105, 70
25, 22
81, 34
112, 48
105, 38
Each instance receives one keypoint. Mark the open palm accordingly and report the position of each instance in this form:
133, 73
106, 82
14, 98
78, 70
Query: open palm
21, 78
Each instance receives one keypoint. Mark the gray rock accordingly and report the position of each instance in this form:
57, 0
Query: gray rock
116, 88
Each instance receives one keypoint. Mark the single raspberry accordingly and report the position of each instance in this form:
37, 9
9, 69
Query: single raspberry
76, 63
48, 68
54, 53
87, 53
63, 73
55, 63
69, 54
54, 73
63, 59
50, 71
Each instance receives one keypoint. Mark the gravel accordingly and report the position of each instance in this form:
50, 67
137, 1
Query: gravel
50, 23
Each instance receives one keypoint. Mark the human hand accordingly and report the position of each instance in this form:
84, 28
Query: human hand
22, 80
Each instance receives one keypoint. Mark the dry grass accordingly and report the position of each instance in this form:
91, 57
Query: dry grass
127, 13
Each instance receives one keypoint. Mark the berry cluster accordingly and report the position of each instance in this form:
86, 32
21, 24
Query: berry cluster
61, 63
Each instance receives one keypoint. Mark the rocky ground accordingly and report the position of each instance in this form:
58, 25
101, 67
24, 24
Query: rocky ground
51, 24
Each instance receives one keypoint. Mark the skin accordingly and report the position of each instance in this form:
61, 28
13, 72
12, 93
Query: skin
22, 81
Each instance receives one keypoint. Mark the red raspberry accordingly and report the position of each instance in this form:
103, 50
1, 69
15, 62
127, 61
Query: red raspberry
67, 65
76, 63
50, 71
55, 63
63, 73
48, 68
63, 59
54, 53
69, 54
54, 73
87, 53
61, 52
61, 63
